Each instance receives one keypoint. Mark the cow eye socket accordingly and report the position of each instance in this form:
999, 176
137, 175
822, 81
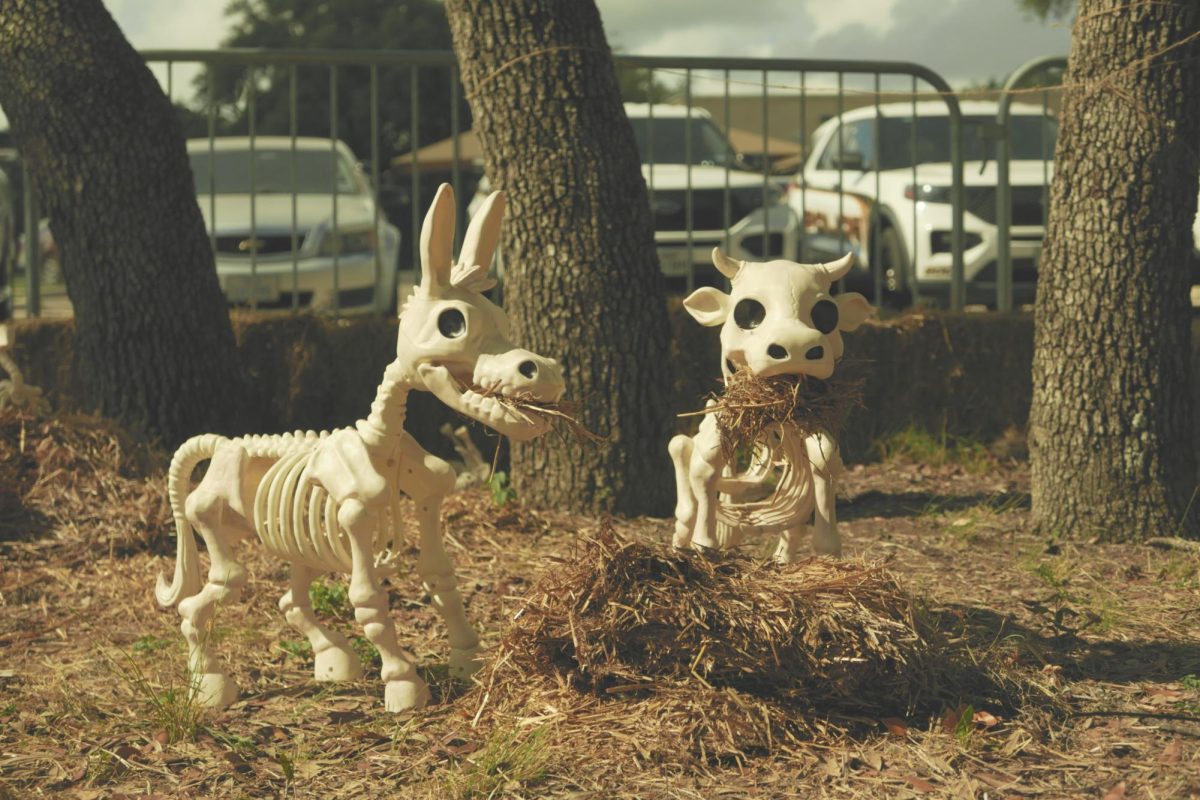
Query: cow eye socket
825, 316
748, 314
451, 323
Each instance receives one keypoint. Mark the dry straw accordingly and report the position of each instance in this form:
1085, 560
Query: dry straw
679, 654
749, 406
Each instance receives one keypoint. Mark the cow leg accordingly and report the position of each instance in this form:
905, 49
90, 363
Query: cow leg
789, 544
826, 465
334, 659
404, 689
680, 449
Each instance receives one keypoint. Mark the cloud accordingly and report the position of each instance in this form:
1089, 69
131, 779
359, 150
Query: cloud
966, 41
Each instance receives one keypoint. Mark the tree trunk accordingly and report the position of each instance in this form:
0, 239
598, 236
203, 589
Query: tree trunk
153, 342
1110, 426
582, 282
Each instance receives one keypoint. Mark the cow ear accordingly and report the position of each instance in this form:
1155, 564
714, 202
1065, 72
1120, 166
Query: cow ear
853, 310
708, 306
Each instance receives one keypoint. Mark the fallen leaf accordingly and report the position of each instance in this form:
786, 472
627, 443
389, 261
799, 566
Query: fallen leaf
985, 719
895, 726
919, 785
873, 760
1117, 792
1172, 753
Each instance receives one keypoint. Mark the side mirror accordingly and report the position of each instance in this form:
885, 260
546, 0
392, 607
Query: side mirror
849, 160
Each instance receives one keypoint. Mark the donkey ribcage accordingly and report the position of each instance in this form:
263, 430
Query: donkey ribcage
297, 520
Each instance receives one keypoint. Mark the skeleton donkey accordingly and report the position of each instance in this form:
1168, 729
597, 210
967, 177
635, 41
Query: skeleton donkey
778, 319
328, 502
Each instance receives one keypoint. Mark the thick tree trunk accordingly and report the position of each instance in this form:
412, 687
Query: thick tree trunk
153, 342
1110, 425
582, 282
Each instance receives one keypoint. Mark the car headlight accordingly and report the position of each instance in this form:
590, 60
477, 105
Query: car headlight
927, 193
345, 243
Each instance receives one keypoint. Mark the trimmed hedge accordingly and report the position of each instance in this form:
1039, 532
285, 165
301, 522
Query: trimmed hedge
964, 374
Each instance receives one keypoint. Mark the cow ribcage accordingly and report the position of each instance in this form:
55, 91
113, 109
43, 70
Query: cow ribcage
779, 456
296, 519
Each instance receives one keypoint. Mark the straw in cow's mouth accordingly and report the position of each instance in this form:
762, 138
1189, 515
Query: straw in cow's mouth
560, 415
749, 405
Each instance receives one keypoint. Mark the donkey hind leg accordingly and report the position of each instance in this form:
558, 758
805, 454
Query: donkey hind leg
404, 689
438, 578
208, 510
334, 659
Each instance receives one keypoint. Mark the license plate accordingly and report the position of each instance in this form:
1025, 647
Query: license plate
674, 260
247, 289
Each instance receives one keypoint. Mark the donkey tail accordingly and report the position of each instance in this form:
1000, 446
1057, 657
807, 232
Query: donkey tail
186, 581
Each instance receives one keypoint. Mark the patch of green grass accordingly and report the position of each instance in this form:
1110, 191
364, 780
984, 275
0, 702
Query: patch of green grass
507, 760
331, 598
935, 449
1190, 682
174, 710
149, 643
297, 648
367, 652
969, 524
502, 491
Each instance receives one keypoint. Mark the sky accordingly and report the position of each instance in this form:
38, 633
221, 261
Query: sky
966, 41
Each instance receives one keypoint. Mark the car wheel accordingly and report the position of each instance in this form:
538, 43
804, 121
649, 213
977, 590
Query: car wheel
896, 293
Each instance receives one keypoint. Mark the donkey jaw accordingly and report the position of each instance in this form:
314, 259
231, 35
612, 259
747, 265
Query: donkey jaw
514, 423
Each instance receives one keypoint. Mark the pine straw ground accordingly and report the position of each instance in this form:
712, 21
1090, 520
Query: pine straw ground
990, 663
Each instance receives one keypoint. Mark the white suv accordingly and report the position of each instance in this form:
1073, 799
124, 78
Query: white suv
706, 167
835, 195
294, 227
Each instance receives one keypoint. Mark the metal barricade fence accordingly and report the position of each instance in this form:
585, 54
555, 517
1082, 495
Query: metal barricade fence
700, 186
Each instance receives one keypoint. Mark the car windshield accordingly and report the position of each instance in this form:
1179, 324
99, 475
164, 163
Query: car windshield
271, 172
666, 141
1032, 138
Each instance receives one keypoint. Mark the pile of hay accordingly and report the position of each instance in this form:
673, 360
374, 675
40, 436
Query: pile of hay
80, 478
749, 405
706, 656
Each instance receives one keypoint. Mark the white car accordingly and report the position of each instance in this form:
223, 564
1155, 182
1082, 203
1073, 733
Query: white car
294, 228
756, 210
835, 195
757, 224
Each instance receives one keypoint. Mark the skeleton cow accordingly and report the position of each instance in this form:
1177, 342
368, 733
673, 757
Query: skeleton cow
328, 502
778, 319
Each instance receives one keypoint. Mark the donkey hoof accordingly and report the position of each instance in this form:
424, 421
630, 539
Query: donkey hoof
465, 662
406, 695
336, 664
215, 690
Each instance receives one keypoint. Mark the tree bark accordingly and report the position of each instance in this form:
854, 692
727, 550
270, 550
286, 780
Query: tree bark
153, 341
1110, 424
582, 282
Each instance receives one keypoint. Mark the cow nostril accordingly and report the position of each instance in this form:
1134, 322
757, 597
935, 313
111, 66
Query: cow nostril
729, 367
777, 352
814, 353
528, 369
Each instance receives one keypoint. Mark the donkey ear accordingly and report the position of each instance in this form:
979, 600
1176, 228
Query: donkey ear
483, 234
437, 240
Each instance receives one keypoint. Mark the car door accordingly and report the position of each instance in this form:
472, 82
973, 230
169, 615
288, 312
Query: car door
833, 214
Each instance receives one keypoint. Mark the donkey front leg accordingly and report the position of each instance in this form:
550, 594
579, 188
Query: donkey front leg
334, 659
404, 689
427, 482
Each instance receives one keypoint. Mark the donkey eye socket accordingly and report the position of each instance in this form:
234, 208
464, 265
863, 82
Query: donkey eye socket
451, 323
748, 314
825, 316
